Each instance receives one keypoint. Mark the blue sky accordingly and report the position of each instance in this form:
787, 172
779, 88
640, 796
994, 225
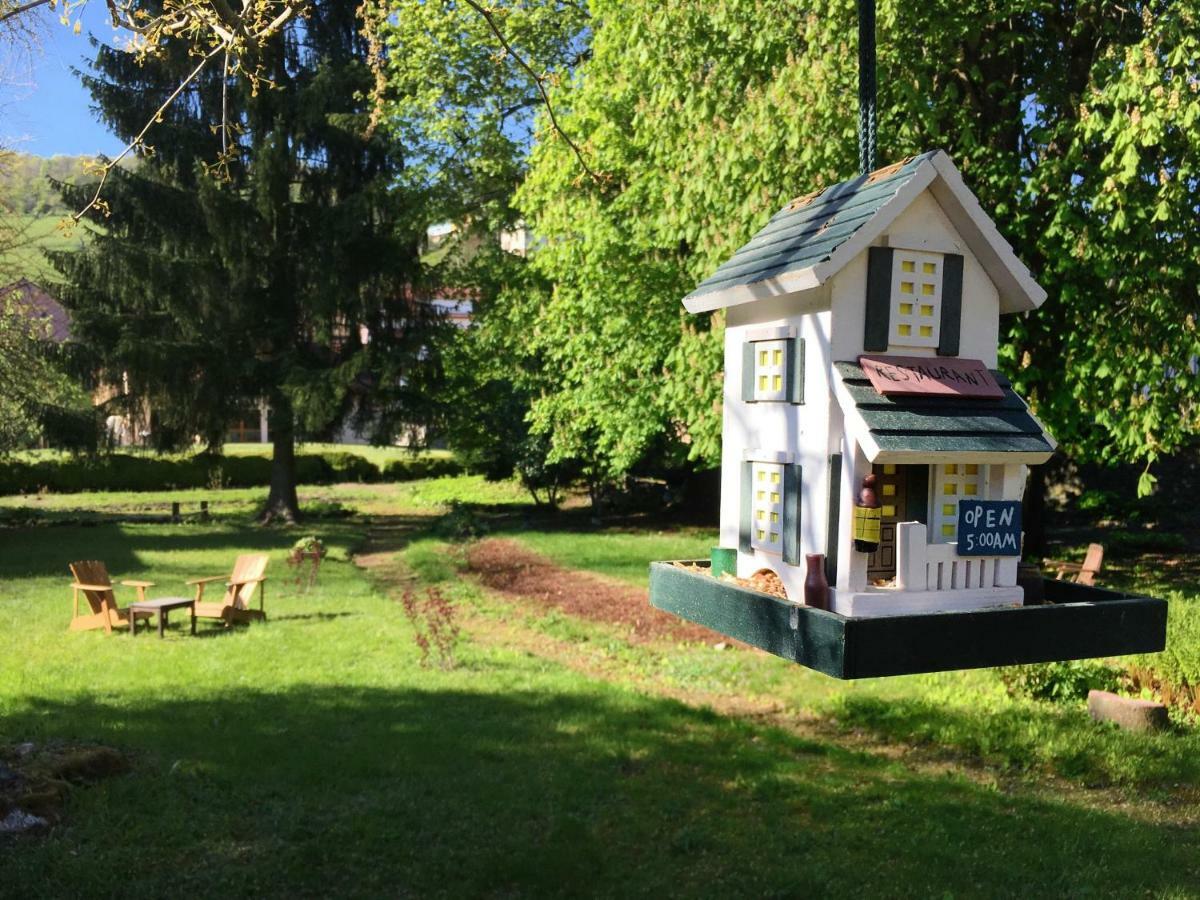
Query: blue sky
51, 114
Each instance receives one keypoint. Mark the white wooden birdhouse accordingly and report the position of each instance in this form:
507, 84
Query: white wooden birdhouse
862, 325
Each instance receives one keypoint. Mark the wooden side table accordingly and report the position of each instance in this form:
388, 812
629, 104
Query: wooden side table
161, 606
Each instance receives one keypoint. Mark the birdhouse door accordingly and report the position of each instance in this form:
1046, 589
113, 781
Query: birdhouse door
890, 487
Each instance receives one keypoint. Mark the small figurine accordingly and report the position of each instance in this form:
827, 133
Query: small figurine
866, 517
816, 587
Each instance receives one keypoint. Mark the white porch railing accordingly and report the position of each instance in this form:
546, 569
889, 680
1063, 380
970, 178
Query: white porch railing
922, 566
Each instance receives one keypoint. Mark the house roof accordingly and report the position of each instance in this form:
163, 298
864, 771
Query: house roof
812, 238
907, 429
31, 300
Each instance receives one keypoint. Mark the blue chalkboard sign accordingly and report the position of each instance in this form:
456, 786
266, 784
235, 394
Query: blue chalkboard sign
989, 528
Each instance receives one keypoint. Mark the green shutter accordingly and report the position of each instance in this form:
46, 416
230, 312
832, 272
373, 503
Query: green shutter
748, 371
795, 370
952, 282
746, 516
879, 298
791, 514
834, 518
917, 501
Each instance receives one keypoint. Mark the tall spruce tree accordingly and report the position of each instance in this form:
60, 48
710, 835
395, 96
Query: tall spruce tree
283, 273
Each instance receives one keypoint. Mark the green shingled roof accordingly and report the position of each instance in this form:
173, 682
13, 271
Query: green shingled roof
945, 425
809, 229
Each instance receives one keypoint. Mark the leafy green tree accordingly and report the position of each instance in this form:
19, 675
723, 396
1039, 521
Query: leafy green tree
1078, 125
271, 259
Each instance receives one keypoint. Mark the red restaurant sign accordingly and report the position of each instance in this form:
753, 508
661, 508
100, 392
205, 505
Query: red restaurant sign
930, 376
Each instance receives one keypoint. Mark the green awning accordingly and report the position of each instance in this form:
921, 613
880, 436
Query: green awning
916, 429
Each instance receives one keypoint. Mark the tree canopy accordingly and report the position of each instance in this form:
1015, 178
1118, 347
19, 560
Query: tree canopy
1078, 126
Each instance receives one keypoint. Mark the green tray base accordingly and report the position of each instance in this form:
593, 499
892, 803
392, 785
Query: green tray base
1079, 622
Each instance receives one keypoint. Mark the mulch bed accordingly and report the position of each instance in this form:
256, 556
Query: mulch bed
508, 568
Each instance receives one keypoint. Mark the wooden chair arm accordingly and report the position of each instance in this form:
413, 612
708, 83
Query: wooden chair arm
207, 580
138, 584
91, 587
257, 580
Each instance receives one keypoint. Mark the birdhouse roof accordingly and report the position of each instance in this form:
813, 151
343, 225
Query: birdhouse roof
904, 429
812, 238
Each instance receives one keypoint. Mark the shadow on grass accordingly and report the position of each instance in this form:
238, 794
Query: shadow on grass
432, 792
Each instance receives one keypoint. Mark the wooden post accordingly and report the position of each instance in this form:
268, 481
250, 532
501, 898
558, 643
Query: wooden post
911, 541
203, 510
175, 517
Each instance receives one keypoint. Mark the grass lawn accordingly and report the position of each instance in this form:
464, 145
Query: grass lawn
313, 755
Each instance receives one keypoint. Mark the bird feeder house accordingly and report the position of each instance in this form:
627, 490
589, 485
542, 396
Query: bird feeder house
865, 421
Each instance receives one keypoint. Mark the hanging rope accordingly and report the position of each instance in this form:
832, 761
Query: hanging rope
866, 86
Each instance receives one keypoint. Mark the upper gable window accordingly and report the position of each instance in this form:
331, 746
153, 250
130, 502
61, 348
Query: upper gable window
916, 299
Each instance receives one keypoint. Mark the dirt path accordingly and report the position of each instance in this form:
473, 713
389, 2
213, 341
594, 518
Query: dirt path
513, 571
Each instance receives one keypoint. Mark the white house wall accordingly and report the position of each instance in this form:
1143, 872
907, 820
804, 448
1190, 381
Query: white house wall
980, 332
810, 431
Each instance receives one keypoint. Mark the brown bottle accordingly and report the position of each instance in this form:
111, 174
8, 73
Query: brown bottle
816, 587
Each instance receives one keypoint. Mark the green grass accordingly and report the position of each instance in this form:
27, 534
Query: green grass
37, 234
312, 755
377, 455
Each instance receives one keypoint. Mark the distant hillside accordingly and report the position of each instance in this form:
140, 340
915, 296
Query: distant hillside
32, 210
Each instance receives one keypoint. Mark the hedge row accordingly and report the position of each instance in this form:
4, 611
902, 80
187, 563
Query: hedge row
123, 472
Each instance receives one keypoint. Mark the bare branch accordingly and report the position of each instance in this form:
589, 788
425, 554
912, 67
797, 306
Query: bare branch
540, 84
17, 10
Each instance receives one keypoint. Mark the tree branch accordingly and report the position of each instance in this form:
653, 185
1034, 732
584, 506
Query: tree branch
112, 164
539, 83
16, 11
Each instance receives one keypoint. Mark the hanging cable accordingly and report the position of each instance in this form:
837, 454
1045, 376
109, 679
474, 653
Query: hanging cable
866, 86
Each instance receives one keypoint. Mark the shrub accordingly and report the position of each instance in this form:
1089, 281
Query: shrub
1060, 682
416, 467
434, 629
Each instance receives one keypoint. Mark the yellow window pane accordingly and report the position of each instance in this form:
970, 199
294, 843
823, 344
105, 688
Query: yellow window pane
927, 290
762, 476
774, 536
889, 490
774, 478
947, 509
951, 469
777, 383
774, 497
926, 331
761, 495
778, 357
762, 357
759, 514
908, 266
947, 530
970, 489
889, 512
774, 517
905, 330
972, 469
927, 310
762, 382
906, 287
889, 469
906, 309
929, 268
950, 490
760, 535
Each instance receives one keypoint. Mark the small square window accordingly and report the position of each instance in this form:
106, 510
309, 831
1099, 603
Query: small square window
951, 469
950, 489
948, 530
972, 468
970, 489
889, 512
889, 469
889, 490
947, 509
767, 508
770, 370
913, 324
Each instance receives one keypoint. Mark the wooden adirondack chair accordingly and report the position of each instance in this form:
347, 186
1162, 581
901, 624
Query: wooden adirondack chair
1085, 572
91, 578
239, 590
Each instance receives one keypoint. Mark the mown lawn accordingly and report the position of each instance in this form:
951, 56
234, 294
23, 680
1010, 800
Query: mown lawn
313, 755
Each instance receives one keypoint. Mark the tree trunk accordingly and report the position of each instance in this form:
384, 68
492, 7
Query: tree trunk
282, 504
1034, 513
